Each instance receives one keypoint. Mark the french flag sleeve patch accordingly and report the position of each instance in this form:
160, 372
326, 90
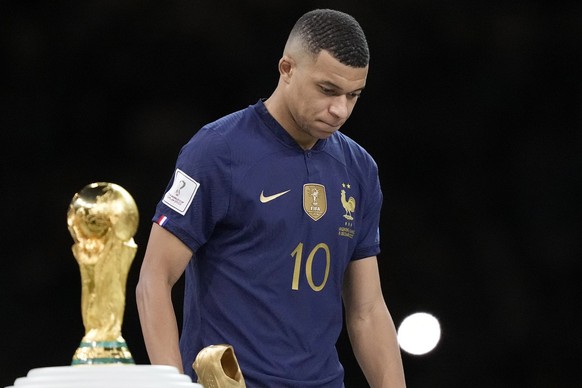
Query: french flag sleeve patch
162, 220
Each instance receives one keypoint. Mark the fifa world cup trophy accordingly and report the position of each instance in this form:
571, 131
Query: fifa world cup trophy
102, 220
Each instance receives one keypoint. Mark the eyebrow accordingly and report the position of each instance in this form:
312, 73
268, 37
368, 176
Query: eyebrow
331, 85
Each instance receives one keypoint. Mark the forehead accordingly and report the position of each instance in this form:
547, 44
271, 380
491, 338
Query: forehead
326, 69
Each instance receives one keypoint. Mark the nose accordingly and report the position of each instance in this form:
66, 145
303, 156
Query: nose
339, 107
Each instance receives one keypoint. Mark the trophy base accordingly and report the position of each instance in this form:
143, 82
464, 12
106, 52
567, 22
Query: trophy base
105, 376
102, 352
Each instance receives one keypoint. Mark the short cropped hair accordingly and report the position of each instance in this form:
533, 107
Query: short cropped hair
334, 31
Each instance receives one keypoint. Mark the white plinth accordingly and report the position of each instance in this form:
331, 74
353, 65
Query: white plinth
105, 376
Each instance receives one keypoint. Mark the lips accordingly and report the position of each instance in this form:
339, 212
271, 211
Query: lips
333, 125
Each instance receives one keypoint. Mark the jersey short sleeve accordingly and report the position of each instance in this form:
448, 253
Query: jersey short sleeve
197, 195
369, 237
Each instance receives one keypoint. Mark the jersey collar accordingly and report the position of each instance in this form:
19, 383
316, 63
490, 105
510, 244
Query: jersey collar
278, 130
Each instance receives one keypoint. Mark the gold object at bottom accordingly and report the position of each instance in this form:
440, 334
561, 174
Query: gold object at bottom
103, 352
217, 367
102, 219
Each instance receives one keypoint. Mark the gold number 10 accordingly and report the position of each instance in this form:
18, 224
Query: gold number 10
298, 254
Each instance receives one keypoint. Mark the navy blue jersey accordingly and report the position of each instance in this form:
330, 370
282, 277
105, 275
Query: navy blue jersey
274, 228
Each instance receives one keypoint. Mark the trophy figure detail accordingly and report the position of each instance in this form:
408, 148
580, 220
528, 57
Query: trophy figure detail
102, 220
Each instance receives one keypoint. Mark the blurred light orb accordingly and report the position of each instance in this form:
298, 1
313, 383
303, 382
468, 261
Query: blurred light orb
419, 333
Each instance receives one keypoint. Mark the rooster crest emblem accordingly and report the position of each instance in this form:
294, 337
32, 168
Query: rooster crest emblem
348, 204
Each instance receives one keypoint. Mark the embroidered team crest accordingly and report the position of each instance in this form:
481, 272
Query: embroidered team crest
314, 200
348, 204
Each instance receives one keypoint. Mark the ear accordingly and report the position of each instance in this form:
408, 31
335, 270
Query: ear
286, 68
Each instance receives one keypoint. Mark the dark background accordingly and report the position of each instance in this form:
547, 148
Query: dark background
473, 111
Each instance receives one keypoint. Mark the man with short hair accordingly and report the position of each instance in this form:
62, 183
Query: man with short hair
274, 216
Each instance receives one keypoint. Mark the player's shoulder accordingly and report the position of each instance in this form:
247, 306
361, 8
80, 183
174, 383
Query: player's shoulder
236, 120
222, 131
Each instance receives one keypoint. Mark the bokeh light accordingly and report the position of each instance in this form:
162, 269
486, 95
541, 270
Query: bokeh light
419, 333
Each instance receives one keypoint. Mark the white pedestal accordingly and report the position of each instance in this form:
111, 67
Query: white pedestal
105, 376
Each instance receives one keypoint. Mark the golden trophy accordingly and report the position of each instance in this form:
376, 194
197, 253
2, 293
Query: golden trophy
217, 366
102, 220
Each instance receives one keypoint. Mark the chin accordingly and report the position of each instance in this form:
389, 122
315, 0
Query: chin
324, 134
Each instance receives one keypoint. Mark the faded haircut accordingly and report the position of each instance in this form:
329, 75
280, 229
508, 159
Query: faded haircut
334, 31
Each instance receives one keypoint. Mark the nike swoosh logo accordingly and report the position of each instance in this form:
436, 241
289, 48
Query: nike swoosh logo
269, 198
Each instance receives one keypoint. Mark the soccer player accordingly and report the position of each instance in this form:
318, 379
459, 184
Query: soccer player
273, 214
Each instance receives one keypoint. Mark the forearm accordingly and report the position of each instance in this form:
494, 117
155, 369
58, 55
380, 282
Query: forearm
159, 325
375, 345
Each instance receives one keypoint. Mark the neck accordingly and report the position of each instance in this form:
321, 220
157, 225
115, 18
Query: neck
281, 114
